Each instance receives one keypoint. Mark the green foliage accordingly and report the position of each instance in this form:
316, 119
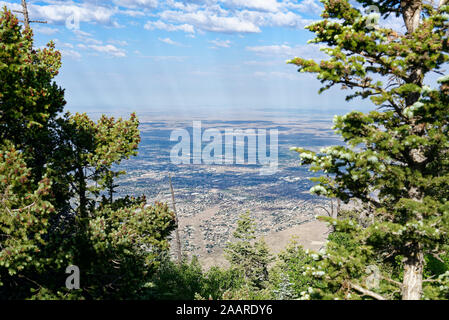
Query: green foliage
249, 256
24, 216
436, 266
396, 158
86, 151
247, 292
219, 282
30, 100
304, 274
122, 249
57, 181
327, 274
177, 282
246, 279
437, 270
54, 169
288, 275
188, 281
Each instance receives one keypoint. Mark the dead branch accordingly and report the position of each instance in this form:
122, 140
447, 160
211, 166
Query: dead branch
366, 292
392, 281
178, 240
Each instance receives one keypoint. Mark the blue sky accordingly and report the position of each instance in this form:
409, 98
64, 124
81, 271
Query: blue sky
176, 56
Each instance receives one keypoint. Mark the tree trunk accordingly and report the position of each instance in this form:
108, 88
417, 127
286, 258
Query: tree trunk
414, 261
412, 282
411, 12
26, 19
178, 238
82, 189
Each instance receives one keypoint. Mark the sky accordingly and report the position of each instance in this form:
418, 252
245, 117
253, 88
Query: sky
174, 56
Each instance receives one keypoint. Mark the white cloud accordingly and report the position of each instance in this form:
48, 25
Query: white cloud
89, 40
288, 19
271, 50
81, 33
189, 16
121, 43
263, 5
151, 25
221, 43
137, 3
237, 16
208, 20
132, 13
188, 6
86, 37
277, 19
169, 41
308, 6
59, 11
63, 44
11, 6
70, 54
109, 49
45, 30
308, 51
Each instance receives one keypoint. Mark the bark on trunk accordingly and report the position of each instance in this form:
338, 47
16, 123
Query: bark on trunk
412, 282
26, 19
411, 12
178, 238
414, 259
82, 189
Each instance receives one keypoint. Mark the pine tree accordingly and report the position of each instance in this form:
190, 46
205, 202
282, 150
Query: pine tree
246, 254
29, 98
396, 158
53, 170
24, 217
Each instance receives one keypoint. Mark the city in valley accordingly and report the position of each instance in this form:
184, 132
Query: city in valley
209, 198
